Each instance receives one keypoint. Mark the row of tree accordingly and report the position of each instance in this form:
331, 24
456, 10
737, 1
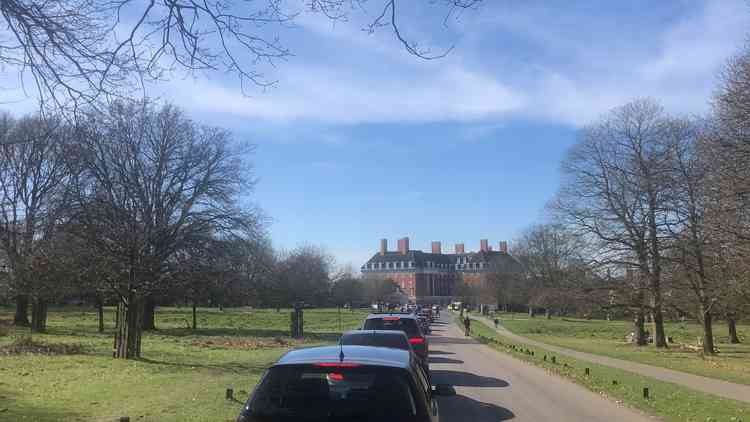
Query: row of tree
139, 206
652, 219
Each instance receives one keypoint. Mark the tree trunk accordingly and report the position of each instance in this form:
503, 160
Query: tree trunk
531, 311
640, 330
708, 334
100, 311
128, 334
195, 321
149, 309
732, 325
22, 311
547, 314
38, 315
660, 337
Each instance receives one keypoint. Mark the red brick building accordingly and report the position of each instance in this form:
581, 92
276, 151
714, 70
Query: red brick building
430, 277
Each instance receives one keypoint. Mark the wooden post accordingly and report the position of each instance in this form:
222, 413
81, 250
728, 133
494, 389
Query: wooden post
645, 393
587, 371
124, 418
230, 394
554, 359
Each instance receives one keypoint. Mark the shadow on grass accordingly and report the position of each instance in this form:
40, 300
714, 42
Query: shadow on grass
14, 407
243, 332
228, 366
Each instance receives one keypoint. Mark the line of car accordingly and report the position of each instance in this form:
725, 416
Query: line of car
379, 373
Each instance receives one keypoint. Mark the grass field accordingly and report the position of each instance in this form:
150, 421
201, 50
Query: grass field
732, 363
183, 375
668, 401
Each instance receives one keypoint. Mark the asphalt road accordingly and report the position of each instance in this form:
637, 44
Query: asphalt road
491, 386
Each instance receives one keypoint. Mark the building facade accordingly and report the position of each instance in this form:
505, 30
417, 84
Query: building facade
430, 277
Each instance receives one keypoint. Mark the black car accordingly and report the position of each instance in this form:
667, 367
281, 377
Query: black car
407, 323
376, 338
344, 383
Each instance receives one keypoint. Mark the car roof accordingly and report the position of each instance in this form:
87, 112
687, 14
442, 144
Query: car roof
378, 332
392, 314
365, 355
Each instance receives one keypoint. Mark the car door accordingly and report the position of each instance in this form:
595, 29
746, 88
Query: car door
423, 383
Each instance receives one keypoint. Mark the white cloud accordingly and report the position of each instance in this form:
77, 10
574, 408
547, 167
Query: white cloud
336, 96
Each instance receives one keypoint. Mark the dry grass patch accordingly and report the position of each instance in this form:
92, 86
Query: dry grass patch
246, 343
27, 345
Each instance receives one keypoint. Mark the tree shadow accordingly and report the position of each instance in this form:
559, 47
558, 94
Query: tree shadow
244, 332
438, 359
14, 407
440, 352
464, 379
453, 340
462, 408
228, 366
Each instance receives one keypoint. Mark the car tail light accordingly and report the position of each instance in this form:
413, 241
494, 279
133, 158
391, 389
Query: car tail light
335, 376
416, 340
337, 365
391, 318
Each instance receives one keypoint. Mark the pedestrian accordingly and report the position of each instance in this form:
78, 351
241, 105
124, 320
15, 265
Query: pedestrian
497, 323
467, 325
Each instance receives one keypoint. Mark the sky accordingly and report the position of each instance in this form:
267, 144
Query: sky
358, 140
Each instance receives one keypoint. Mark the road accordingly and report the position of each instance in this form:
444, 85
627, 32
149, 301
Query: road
726, 389
492, 386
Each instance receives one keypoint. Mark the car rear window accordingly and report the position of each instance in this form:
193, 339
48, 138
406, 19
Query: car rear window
375, 339
407, 325
312, 394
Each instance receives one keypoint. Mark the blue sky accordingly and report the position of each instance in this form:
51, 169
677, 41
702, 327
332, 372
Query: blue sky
359, 141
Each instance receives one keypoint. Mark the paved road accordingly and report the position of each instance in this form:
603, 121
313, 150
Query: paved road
491, 386
707, 385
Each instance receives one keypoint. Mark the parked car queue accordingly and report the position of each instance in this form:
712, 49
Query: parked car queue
378, 373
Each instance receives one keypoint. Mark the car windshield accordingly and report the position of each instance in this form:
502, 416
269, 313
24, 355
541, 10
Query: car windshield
407, 325
312, 394
396, 340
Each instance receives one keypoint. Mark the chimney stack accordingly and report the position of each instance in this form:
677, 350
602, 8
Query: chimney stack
484, 245
503, 246
436, 248
403, 246
459, 248
383, 246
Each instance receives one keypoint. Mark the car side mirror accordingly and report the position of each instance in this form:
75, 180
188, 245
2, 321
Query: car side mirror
444, 390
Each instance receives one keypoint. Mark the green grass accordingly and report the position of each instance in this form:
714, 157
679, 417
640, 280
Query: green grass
183, 374
668, 401
606, 338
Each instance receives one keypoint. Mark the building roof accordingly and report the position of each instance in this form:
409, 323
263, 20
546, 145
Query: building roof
502, 260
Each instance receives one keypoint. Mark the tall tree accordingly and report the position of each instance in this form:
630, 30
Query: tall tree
33, 197
552, 260
614, 189
76, 51
150, 181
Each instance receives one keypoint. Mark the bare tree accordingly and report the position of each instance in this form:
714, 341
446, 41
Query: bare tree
614, 186
150, 181
33, 180
77, 51
552, 260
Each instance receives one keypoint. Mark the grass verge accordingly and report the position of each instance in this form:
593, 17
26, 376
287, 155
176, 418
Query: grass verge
606, 338
670, 402
183, 375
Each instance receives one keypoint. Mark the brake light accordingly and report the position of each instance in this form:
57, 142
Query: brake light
391, 318
337, 365
416, 340
335, 376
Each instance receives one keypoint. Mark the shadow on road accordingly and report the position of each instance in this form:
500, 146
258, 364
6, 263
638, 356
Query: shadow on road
437, 359
440, 352
452, 340
465, 379
462, 408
